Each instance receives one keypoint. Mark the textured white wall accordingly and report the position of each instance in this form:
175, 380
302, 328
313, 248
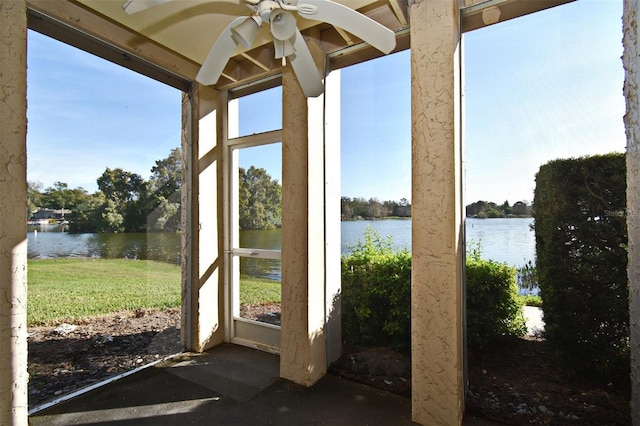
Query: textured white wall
632, 123
207, 284
303, 339
13, 214
437, 239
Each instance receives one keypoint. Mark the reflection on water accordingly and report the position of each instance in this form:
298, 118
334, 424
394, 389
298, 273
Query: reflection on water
503, 240
262, 268
163, 247
261, 239
265, 240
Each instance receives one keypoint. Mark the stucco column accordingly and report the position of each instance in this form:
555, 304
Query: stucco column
632, 123
437, 213
13, 213
303, 340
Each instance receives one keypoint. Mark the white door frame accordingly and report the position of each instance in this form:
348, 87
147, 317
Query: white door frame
239, 330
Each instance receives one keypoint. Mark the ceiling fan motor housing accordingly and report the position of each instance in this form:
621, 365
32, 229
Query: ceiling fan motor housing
265, 7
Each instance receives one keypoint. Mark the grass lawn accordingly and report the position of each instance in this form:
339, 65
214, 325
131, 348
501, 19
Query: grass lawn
70, 289
258, 290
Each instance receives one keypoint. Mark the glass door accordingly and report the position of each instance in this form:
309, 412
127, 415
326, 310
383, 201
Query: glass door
255, 218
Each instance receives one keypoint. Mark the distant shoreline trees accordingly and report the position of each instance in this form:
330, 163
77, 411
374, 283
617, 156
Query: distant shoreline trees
125, 202
359, 208
488, 210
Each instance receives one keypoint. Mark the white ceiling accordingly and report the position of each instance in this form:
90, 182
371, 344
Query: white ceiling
190, 27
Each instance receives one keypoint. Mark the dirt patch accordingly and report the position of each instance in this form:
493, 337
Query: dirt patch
514, 382
519, 381
64, 358
379, 367
267, 312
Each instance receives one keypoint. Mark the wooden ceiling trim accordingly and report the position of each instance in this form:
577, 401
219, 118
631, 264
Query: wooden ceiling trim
364, 52
509, 9
228, 77
255, 61
331, 41
400, 11
383, 13
345, 36
87, 30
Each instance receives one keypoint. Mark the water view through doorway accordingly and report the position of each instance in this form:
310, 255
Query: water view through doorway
503, 240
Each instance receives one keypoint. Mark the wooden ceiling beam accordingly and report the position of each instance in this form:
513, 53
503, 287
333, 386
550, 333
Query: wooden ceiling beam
228, 77
474, 18
78, 26
255, 61
400, 10
345, 36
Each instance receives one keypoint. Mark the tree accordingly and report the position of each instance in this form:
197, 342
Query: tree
34, 197
358, 208
375, 209
112, 219
86, 216
484, 209
166, 176
260, 199
506, 208
126, 195
520, 208
165, 217
165, 184
346, 208
59, 196
403, 209
120, 186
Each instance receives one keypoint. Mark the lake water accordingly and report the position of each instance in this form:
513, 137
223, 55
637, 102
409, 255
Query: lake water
503, 240
153, 246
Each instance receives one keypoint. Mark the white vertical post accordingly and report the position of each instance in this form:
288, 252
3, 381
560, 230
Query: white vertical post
206, 316
632, 122
332, 215
13, 213
437, 215
303, 356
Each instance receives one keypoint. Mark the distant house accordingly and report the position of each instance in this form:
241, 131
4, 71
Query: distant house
46, 214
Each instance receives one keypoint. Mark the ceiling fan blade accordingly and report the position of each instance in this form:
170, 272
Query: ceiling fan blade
305, 68
135, 6
377, 35
219, 55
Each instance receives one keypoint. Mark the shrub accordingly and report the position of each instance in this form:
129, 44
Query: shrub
581, 250
376, 296
376, 293
493, 307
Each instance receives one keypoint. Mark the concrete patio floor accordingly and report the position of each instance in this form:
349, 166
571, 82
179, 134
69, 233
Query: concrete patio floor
229, 385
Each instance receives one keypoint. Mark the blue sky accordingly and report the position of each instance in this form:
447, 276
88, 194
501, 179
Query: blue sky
86, 114
544, 86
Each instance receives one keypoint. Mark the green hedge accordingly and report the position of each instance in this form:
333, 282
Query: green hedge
376, 294
376, 297
581, 250
494, 309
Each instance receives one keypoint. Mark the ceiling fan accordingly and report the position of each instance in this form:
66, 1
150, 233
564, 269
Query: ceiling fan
287, 39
